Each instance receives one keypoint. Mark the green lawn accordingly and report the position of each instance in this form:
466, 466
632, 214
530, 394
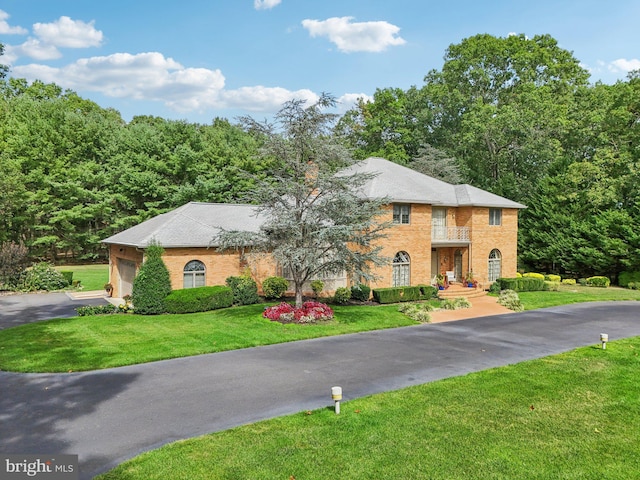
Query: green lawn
568, 294
570, 416
96, 342
92, 277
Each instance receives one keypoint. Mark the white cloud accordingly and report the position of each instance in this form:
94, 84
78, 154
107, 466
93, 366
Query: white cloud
35, 49
152, 77
350, 100
263, 99
624, 65
6, 29
351, 36
265, 4
68, 33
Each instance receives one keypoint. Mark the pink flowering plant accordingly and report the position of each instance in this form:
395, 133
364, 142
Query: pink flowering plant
310, 312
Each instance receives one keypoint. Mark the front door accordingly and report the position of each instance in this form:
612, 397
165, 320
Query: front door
457, 265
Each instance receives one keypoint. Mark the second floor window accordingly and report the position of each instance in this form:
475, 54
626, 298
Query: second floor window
401, 213
495, 216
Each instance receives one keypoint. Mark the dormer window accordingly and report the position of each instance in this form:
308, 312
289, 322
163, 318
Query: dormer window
401, 213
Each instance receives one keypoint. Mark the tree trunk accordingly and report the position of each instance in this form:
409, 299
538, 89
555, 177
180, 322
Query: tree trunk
298, 287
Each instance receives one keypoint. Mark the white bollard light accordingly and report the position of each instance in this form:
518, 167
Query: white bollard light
604, 338
336, 395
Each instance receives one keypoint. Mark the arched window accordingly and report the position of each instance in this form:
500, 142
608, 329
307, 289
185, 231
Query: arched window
495, 265
193, 274
401, 270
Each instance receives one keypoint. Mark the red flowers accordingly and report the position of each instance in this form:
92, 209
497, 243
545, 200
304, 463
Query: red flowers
310, 312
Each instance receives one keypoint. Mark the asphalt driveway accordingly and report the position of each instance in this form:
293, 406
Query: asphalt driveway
109, 416
33, 307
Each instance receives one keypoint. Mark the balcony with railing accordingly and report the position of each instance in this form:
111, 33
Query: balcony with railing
453, 235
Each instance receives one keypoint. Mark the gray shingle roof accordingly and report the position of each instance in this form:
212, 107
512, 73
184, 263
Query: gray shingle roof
404, 185
192, 225
196, 224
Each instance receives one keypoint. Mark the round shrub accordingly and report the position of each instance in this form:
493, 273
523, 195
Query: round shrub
552, 278
317, 286
534, 275
568, 281
245, 290
360, 292
42, 276
274, 287
342, 295
598, 281
152, 284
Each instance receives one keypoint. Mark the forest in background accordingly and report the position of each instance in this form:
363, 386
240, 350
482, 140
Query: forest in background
516, 116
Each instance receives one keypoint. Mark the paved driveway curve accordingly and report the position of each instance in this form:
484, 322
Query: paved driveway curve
17, 310
109, 416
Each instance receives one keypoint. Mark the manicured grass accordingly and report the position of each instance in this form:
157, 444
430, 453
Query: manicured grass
570, 416
92, 277
96, 342
568, 294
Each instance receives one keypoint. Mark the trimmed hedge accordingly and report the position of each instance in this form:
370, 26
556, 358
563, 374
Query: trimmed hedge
397, 294
427, 292
200, 299
553, 278
522, 284
598, 281
533, 275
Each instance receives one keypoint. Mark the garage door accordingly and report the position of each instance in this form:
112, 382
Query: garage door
127, 272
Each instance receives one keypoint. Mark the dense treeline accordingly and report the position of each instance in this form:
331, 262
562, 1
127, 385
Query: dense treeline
516, 116
72, 173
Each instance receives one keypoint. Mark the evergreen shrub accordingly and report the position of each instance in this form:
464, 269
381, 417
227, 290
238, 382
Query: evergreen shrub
626, 277
200, 299
342, 295
568, 281
410, 294
551, 286
245, 290
360, 292
553, 278
42, 276
317, 286
274, 287
152, 284
598, 281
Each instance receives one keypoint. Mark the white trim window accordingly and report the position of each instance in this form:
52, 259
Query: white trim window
401, 270
401, 213
495, 216
193, 274
495, 265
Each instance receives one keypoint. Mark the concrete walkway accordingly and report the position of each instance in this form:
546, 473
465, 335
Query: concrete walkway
109, 416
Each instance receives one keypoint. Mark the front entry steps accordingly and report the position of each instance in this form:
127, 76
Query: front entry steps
458, 290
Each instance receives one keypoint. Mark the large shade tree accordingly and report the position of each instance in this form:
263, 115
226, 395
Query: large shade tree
316, 223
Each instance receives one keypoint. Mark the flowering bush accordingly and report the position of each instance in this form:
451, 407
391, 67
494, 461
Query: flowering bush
310, 312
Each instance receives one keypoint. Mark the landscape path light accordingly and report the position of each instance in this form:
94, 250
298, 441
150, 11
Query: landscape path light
336, 395
604, 338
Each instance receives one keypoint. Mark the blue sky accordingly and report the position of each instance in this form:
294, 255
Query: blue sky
201, 59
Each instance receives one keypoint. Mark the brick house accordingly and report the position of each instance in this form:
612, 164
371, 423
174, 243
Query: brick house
437, 228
